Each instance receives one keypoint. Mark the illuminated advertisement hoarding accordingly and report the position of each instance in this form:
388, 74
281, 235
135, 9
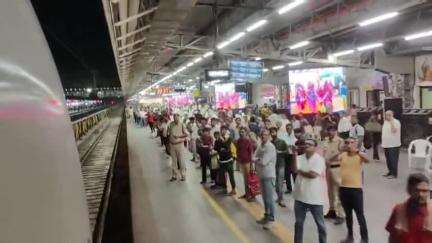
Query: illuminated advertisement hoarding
317, 90
227, 98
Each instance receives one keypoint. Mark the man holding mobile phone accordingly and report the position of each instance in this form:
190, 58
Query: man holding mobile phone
350, 191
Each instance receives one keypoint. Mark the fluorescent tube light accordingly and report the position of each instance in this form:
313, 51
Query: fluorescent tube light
199, 59
223, 44
258, 58
299, 45
370, 46
418, 35
256, 25
278, 67
292, 64
208, 54
378, 19
342, 53
290, 6
265, 70
237, 36
190, 64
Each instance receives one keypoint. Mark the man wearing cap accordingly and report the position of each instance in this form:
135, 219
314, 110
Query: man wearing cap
332, 146
177, 135
308, 192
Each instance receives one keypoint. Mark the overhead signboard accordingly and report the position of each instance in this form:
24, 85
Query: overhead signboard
246, 70
219, 74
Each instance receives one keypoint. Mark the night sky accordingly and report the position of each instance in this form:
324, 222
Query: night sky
78, 36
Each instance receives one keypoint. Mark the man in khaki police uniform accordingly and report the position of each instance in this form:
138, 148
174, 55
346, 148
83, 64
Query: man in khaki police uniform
177, 136
332, 146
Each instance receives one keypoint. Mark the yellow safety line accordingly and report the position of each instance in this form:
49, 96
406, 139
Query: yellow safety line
278, 229
256, 210
226, 219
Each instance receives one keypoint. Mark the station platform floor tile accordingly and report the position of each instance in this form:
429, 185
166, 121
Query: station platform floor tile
187, 212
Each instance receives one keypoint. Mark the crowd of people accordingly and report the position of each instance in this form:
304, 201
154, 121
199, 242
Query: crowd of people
291, 154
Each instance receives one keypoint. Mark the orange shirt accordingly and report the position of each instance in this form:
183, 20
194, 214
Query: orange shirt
351, 171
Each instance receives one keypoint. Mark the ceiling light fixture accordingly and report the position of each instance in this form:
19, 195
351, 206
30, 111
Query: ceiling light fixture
370, 46
258, 58
265, 70
208, 54
256, 25
292, 64
299, 45
223, 44
278, 67
342, 53
237, 36
199, 59
190, 64
418, 35
290, 6
378, 19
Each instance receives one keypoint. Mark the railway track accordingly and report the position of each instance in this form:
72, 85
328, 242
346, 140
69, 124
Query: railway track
96, 161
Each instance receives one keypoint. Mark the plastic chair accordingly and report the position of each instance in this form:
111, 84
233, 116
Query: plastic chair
422, 155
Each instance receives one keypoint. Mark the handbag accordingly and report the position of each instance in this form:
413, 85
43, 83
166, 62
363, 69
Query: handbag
214, 162
253, 184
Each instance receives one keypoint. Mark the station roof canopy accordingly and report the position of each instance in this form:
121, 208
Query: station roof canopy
171, 40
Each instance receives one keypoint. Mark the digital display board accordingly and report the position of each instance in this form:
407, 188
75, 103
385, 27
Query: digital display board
220, 74
246, 70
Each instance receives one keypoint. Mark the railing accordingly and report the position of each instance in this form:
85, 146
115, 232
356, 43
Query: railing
83, 125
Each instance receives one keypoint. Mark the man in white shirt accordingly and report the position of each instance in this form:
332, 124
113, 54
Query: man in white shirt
344, 126
391, 142
296, 122
357, 131
308, 191
290, 140
193, 131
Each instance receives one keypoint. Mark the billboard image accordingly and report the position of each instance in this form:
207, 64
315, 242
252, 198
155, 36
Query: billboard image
317, 90
227, 98
179, 100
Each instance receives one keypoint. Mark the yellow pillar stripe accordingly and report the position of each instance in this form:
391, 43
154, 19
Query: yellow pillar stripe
226, 219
